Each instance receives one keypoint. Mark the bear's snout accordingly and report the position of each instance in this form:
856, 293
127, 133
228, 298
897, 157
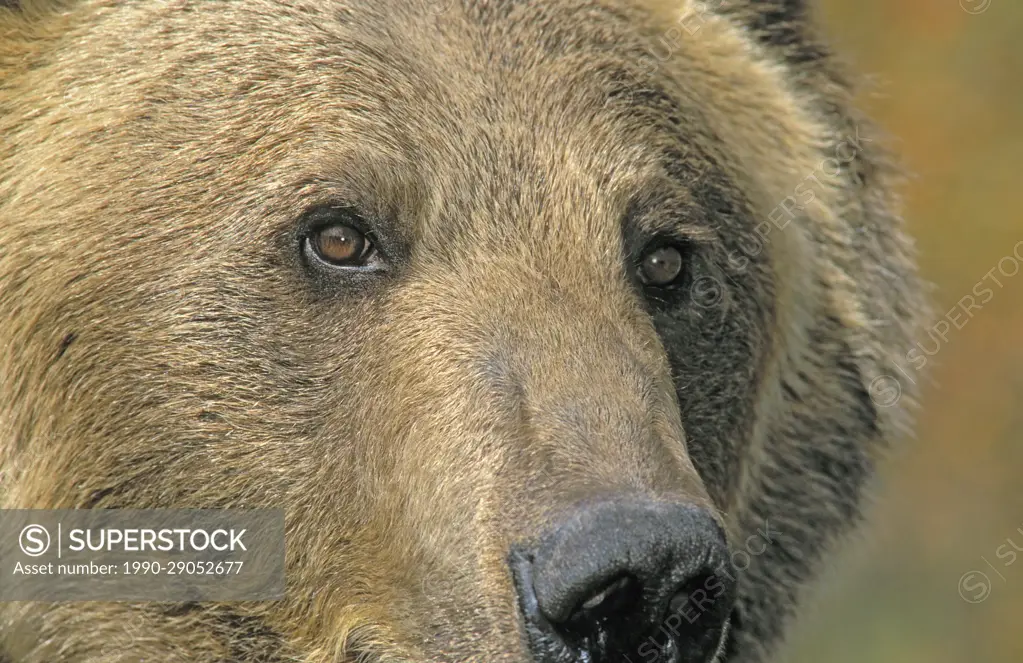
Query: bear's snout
623, 580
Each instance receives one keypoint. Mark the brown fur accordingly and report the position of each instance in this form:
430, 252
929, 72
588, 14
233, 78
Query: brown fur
163, 344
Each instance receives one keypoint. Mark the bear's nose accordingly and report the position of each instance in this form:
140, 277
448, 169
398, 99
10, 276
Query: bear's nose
626, 580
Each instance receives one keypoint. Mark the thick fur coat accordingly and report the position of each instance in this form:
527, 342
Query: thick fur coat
164, 340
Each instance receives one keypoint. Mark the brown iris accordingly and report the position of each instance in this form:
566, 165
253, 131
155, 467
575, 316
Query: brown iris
341, 245
662, 266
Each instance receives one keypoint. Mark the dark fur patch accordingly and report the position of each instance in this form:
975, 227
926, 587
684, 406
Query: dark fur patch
251, 640
97, 497
180, 609
780, 24
65, 343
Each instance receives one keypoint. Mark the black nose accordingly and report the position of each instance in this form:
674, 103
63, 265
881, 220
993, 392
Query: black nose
626, 581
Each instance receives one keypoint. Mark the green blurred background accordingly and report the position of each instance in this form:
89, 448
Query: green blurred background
945, 79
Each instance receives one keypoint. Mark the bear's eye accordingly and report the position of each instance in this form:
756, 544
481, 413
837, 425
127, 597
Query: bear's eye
661, 267
341, 245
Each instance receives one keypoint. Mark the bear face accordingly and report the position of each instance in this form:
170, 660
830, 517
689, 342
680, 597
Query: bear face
445, 280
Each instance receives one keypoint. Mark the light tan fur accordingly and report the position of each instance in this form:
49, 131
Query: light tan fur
163, 344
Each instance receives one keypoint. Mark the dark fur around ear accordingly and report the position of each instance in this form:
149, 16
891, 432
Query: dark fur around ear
781, 24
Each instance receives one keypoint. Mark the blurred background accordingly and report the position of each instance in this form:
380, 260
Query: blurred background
934, 578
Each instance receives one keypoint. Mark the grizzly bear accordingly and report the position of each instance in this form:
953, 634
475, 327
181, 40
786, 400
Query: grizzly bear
563, 331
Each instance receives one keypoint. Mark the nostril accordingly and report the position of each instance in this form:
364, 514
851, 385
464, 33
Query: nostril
693, 595
618, 576
618, 597
697, 614
613, 589
678, 603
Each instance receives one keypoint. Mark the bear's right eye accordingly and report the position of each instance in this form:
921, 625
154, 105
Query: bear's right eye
341, 245
662, 266
336, 237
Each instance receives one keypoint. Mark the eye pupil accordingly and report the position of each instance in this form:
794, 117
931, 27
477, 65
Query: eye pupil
340, 245
662, 266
